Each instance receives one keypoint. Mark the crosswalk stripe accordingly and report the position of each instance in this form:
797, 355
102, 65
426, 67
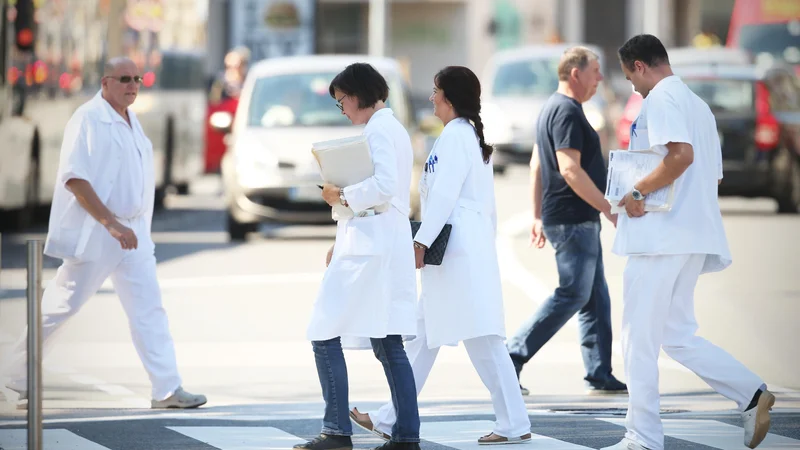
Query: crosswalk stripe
714, 433
463, 435
57, 439
241, 438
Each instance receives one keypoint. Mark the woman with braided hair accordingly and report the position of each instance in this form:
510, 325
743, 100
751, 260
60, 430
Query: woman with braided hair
462, 298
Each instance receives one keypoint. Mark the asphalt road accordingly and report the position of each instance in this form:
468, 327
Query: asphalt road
238, 314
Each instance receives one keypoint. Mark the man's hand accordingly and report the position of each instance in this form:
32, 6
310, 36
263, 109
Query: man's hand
537, 234
419, 257
125, 236
329, 256
330, 193
632, 207
611, 217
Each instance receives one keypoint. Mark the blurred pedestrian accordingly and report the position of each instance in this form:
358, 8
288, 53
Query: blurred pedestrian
668, 251
229, 83
100, 227
568, 176
462, 299
369, 290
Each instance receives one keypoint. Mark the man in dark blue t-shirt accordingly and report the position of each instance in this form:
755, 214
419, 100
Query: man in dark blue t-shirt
569, 178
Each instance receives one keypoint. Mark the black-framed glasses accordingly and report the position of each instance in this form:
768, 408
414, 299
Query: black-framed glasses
125, 79
339, 103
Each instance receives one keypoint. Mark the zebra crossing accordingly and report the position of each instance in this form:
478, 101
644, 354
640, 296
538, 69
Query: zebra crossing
549, 433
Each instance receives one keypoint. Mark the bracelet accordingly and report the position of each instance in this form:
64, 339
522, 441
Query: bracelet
418, 245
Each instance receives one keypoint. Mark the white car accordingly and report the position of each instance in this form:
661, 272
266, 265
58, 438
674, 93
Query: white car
268, 171
516, 85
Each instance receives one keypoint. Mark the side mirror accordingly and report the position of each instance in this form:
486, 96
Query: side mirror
221, 121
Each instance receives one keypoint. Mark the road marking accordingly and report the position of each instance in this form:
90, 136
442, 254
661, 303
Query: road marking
463, 435
51, 439
241, 438
715, 434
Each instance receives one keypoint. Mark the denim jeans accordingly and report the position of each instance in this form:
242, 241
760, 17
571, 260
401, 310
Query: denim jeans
332, 371
582, 289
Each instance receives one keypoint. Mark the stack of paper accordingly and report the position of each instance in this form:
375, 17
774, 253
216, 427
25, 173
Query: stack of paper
626, 168
344, 162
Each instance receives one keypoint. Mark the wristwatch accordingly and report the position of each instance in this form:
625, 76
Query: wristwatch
341, 197
638, 196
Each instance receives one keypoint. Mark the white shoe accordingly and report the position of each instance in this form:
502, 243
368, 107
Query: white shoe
180, 399
756, 420
625, 444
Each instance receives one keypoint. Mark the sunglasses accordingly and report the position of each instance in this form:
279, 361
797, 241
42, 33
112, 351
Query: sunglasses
125, 79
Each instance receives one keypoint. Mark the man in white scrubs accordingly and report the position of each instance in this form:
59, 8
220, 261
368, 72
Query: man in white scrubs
100, 227
668, 251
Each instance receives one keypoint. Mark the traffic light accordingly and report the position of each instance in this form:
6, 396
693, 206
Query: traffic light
23, 25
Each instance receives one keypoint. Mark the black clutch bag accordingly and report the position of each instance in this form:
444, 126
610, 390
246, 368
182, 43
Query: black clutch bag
434, 253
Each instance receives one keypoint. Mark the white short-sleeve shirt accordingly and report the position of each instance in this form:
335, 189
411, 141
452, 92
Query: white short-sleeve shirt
673, 113
127, 198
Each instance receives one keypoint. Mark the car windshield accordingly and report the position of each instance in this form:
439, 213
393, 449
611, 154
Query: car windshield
778, 40
294, 100
533, 77
724, 95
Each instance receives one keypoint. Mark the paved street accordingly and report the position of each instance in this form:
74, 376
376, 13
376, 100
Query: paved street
238, 314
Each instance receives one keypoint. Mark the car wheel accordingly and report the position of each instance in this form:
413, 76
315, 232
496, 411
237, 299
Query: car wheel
237, 231
789, 197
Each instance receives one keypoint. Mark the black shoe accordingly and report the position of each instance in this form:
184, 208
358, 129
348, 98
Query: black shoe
394, 445
612, 386
327, 442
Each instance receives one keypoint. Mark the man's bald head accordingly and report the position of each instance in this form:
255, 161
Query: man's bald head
121, 80
113, 64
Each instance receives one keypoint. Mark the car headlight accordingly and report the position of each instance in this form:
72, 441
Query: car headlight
497, 128
595, 118
255, 165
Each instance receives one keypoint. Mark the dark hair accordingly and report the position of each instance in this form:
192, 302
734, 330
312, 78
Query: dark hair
645, 48
362, 81
462, 89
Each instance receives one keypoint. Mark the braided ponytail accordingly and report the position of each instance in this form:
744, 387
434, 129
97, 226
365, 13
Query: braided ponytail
463, 89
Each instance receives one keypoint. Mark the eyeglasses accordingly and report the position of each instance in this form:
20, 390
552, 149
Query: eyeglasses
339, 103
125, 79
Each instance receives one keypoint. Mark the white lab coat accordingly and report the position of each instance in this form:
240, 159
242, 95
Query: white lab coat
369, 289
462, 298
91, 150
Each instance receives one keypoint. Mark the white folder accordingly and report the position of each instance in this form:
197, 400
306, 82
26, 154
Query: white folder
344, 162
628, 167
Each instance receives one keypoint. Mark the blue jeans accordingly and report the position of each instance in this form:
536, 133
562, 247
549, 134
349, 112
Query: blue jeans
332, 371
582, 289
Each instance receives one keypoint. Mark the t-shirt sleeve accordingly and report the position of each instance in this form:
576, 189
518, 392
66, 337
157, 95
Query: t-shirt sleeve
567, 129
665, 121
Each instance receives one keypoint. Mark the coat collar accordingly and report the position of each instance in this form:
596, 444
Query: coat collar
380, 113
103, 110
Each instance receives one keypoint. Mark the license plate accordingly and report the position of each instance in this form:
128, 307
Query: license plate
311, 194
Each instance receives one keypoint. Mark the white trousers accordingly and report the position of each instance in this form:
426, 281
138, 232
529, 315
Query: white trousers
133, 274
658, 312
490, 358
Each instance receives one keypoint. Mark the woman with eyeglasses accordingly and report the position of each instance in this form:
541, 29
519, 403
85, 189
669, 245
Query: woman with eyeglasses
462, 299
369, 291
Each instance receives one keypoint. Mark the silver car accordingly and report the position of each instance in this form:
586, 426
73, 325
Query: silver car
268, 171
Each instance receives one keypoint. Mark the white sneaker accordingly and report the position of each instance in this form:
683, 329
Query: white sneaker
756, 420
180, 399
625, 444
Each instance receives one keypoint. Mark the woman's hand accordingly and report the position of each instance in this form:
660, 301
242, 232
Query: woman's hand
330, 194
329, 256
419, 255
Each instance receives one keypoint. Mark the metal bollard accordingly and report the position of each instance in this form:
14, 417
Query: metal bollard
35, 345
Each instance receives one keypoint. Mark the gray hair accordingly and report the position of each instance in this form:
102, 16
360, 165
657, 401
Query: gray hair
574, 58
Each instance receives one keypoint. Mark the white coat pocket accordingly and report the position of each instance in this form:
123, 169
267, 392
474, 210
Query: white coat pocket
362, 236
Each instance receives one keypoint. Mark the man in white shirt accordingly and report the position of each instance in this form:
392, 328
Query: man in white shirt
100, 227
668, 251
